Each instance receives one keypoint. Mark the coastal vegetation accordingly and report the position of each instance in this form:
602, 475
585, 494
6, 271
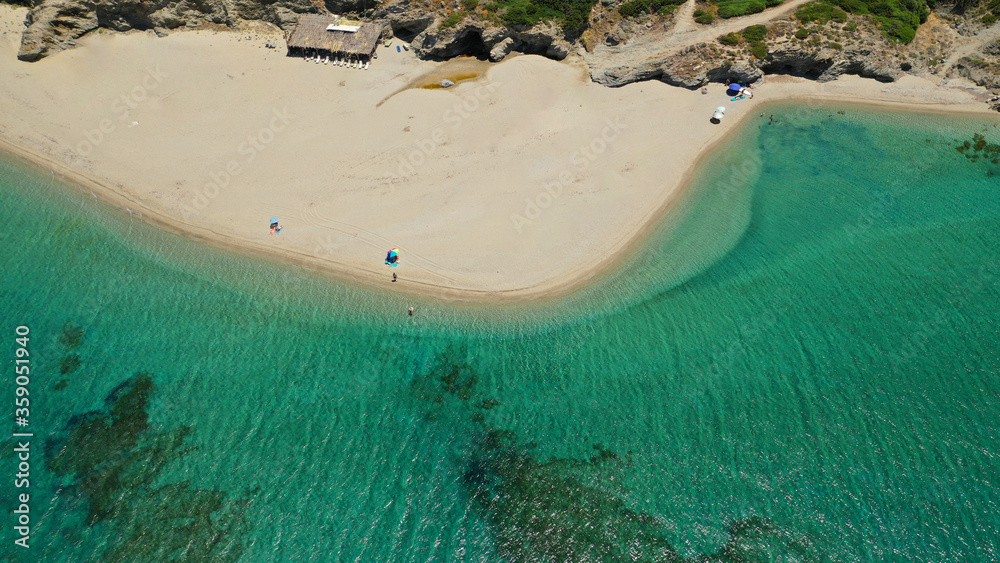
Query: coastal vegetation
730, 39
634, 8
754, 33
753, 36
898, 19
704, 16
570, 14
453, 19
735, 8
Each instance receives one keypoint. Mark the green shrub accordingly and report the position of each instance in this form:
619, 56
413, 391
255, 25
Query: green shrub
705, 18
634, 8
667, 10
850, 27
802, 34
898, 19
758, 49
989, 19
836, 46
453, 19
819, 11
734, 8
516, 16
69, 364
730, 39
699, 12
754, 33
571, 14
470, 4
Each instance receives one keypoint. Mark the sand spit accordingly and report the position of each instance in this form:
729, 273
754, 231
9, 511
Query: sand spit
524, 181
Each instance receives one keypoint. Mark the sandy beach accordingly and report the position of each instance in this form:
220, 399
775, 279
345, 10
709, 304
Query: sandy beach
522, 181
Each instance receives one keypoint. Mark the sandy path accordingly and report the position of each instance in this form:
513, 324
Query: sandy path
684, 19
685, 32
970, 45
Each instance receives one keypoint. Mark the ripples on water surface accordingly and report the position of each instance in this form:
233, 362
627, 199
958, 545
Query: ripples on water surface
802, 365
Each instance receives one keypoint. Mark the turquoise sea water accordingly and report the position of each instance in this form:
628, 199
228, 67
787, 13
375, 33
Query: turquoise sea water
801, 364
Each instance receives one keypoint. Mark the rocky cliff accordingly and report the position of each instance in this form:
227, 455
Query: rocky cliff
54, 25
667, 47
866, 53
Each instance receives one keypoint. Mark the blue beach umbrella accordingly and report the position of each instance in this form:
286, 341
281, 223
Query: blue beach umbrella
392, 257
274, 219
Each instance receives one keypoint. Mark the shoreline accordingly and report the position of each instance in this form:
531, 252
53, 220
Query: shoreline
638, 214
343, 273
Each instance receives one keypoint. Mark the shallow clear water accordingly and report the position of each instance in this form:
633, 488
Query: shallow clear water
801, 364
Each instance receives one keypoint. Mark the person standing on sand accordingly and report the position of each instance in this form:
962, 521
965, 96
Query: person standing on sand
393, 278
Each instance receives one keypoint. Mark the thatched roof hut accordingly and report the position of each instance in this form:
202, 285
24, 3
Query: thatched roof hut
334, 36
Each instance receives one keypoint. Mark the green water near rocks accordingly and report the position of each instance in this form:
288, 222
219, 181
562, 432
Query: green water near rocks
802, 364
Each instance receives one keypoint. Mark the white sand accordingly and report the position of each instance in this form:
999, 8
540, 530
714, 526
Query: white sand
213, 135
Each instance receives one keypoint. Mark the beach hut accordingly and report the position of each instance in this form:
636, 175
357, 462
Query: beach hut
334, 37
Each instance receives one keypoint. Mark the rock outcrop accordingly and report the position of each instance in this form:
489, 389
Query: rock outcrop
618, 50
827, 64
54, 25
866, 53
482, 39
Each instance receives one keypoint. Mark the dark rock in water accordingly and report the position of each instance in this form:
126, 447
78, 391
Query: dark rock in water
71, 336
112, 460
563, 508
69, 363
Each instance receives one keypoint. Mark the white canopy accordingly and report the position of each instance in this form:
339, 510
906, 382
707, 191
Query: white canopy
347, 28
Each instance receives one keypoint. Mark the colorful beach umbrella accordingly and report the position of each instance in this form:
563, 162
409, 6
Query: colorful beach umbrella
392, 257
